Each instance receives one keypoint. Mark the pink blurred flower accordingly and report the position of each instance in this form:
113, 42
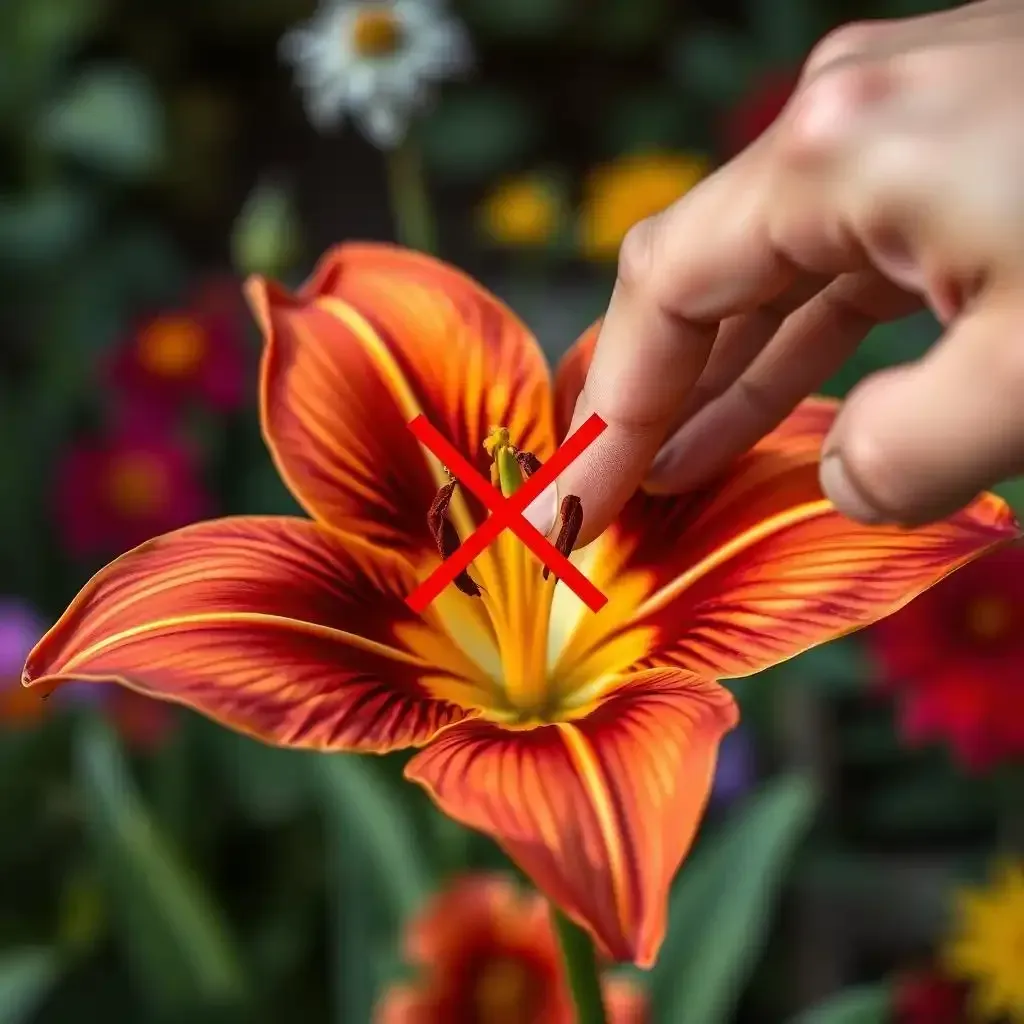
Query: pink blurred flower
756, 111
954, 658
195, 354
116, 491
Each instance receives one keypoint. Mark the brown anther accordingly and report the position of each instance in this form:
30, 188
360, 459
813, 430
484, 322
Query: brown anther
446, 537
528, 463
571, 516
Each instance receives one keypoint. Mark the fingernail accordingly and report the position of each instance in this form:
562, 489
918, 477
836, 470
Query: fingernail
844, 494
542, 511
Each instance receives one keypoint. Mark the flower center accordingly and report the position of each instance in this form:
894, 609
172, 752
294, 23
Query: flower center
376, 32
503, 992
172, 346
989, 618
136, 485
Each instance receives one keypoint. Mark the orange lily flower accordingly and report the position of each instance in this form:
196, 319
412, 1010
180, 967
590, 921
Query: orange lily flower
486, 953
583, 743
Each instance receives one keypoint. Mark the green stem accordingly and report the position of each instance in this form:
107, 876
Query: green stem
580, 970
410, 202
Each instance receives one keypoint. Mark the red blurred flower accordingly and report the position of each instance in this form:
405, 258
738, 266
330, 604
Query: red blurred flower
487, 954
194, 354
116, 491
928, 997
753, 114
954, 657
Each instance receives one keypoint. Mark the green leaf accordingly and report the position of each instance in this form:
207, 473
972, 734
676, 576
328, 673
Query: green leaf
623, 24
266, 237
641, 121
375, 818
377, 875
721, 908
785, 29
475, 135
865, 1004
111, 120
712, 64
26, 977
170, 928
44, 226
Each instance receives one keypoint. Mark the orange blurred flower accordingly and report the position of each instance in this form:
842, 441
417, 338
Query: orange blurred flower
487, 954
584, 743
618, 194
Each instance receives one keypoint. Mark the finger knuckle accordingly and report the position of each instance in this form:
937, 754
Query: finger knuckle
638, 256
826, 109
841, 43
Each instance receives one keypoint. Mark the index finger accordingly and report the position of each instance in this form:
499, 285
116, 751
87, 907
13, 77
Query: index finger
710, 256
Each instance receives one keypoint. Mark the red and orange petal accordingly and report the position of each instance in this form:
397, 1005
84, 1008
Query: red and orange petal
377, 336
600, 811
271, 626
759, 566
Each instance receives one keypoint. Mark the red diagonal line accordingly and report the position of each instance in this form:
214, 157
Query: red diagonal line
506, 513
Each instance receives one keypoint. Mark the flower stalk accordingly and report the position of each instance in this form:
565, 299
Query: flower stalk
415, 224
581, 972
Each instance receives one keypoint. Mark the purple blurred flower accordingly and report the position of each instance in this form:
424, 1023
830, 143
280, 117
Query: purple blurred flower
20, 627
737, 767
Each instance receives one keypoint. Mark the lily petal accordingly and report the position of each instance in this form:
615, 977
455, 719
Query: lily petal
600, 811
759, 566
272, 626
377, 336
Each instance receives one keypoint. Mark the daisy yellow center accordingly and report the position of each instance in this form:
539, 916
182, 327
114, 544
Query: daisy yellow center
989, 618
136, 485
376, 33
172, 346
503, 990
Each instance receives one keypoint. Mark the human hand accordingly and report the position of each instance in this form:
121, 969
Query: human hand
893, 178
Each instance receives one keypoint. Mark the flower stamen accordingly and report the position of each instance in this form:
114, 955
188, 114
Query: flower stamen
571, 516
446, 537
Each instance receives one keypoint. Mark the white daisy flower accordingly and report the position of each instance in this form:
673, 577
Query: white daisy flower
376, 60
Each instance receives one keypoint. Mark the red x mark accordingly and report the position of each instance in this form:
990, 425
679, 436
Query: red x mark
506, 514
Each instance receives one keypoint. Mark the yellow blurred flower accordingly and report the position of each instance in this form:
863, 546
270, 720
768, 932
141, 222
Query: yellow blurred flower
618, 194
523, 211
987, 945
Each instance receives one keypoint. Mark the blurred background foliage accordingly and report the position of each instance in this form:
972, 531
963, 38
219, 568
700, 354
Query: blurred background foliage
155, 868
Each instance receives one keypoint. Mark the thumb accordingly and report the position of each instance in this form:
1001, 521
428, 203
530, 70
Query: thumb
915, 443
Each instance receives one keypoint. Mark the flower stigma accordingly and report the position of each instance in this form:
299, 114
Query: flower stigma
516, 593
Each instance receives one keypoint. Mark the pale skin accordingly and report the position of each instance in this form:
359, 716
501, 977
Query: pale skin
892, 181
